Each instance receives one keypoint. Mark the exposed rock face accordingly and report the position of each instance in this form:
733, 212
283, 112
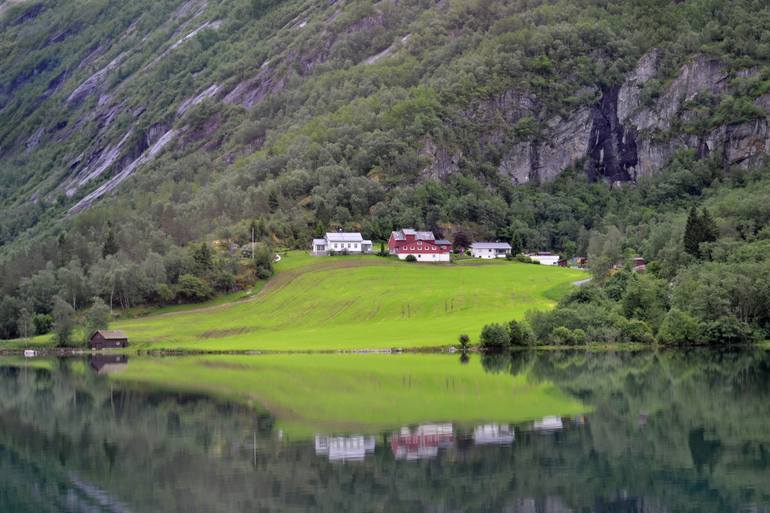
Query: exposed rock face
620, 138
442, 161
542, 159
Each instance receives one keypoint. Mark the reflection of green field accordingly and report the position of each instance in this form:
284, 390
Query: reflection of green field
359, 302
333, 393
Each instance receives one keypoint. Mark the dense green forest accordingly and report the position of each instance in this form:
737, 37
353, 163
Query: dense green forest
131, 134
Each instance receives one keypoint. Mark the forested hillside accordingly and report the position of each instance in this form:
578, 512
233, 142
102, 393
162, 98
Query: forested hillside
132, 132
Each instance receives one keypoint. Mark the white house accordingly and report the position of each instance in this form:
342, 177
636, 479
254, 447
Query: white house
490, 249
545, 258
341, 242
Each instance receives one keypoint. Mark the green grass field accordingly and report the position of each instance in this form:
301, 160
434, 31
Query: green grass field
311, 393
345, 303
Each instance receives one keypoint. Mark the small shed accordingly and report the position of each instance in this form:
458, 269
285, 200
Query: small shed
106, 339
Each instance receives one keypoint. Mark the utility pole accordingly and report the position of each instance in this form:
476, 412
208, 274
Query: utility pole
252, 244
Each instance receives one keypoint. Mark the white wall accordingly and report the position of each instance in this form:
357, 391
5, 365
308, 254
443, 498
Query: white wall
486, 253
546, 259
426, 257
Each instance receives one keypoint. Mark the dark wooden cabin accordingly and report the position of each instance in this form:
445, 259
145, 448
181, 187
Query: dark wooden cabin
104, 339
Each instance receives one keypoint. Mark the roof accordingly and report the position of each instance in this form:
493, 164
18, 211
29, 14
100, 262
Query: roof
344, 237
401, 234
443, 242
111, 335
319, 242
490, 245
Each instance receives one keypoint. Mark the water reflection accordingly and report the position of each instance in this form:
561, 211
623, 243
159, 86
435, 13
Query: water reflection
422, 442
667, 432
344, 448
108, 363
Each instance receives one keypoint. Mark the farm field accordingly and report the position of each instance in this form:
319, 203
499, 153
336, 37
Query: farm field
353, 303
312, 393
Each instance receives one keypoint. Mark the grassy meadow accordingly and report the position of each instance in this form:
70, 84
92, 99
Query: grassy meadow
311, 393
349, 303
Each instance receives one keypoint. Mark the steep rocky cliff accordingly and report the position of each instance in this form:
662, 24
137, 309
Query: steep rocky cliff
621, 137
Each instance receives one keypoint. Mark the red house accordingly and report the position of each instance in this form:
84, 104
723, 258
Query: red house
423, 245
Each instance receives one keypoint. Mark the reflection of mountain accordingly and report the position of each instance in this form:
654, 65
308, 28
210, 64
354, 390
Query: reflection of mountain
344, 448
422, 442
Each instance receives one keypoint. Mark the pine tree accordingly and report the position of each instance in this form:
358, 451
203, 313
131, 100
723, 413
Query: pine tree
693, 233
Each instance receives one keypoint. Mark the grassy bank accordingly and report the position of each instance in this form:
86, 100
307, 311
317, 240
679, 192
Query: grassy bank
358, 303
357, 393
349, 303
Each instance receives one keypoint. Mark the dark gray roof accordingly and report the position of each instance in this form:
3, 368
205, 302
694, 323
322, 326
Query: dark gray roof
111, 335
490, 245
401, 234
344, 237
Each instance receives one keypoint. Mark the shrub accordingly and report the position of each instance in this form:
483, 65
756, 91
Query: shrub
411, 258
636, 331
43, 323
192, 288
520, 334
494, 337
727, 331
679, 328
564, 336
464, 341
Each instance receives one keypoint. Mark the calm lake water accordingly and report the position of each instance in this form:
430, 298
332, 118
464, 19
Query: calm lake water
551, 432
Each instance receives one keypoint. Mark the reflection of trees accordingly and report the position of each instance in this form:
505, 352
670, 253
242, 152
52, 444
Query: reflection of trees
669, 432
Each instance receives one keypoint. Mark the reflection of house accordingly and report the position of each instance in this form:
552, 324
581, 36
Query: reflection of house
422, 442
104, 339
344, 448
422, 245
544, 258
340, 242
490, 249
548, 424
108, 363
493, 434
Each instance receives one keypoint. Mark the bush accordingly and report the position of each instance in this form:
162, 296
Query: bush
520, 335
564, 336
464, 341
411, 258
494, 337
193, 289
727, 331
636, 331
679, 328
43, 323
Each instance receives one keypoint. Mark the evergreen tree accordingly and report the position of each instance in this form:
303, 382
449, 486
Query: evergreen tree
203, 260
692, 233
700, 228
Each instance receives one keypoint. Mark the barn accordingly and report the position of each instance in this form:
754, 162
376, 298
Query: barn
104, 339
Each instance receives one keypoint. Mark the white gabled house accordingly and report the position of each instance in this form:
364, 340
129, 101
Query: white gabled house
341, 242
490, 249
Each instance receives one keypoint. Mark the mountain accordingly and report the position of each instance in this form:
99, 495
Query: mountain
170, 122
